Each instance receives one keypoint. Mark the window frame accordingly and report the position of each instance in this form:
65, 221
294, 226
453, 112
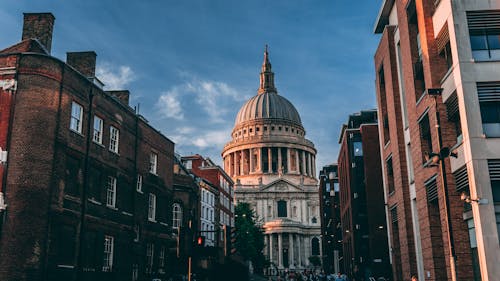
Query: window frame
152, 207
138, 183
153, 163
107, 265
114, 139
97, 133
78, 126
176, 215
111, 192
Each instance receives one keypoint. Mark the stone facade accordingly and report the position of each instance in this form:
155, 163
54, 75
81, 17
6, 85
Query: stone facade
273, 167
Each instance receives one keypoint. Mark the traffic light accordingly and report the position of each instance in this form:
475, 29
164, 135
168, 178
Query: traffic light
229, 240
200, 241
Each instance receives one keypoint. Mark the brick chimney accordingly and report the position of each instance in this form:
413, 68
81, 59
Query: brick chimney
84, 62
39, 26
122, 95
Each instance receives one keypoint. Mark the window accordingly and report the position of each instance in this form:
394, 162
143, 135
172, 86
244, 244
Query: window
390, 174
315, 246
149, 257
445, 54
114, 139
489, 103
357, 148
76, 117
425, 136
188, 164
97, 137
152, 207
135, 272
484, 34
176, 215
453, 114
107, 264
138, 185
282, 209
161, 258
153, 162
111, 192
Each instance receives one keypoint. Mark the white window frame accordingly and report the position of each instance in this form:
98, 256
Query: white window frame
150, 249
135, 272
76, 117
107, 265
153, 163
97, 133
114, 139
161, 257
138, 185
176, 215
111, 192
152, 207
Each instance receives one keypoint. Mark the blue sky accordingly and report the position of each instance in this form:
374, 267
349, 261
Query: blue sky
191, 64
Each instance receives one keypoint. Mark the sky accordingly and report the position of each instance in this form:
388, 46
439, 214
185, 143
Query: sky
191, 64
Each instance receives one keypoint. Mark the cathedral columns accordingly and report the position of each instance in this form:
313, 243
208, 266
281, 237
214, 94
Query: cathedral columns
242, 162
251, 154
309, 172
303, 162
279, 161
280, 250
299, 244
288, 161
270, 160
297, 161
290, 242
271, 248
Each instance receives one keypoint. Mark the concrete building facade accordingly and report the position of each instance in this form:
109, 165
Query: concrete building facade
449, 48
273, 167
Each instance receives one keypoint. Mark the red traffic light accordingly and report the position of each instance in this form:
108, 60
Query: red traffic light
200, 240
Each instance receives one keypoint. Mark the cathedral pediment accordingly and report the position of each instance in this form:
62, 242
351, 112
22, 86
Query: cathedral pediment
281, 185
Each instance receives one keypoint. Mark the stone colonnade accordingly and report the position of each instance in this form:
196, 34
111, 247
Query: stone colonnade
283, 160
288, 250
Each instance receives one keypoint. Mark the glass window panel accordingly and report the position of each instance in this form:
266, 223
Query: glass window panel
478, 42
493, 40
490, 112
358, 149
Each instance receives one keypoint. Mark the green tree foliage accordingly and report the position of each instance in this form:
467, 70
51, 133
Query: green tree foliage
250, 239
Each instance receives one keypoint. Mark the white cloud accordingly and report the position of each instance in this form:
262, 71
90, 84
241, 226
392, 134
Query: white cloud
115, 78
170, 106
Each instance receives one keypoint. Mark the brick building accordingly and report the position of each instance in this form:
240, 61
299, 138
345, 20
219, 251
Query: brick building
217, 183
365, 249
451, 49
331, 228
87, 181
185, 214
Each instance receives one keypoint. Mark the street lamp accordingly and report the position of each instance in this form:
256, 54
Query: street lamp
432, 160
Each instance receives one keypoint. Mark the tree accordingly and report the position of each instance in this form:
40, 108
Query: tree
250, 239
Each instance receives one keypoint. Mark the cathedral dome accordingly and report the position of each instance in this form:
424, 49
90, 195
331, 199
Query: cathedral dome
268, 105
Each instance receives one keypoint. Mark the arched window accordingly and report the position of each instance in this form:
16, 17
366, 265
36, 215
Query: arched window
176, 215
315, 246
282, 209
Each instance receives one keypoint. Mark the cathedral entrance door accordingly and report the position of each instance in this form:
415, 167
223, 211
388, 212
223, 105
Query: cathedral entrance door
285, 258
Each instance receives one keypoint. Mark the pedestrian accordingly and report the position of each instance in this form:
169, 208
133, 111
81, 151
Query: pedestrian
339, 277
414, 278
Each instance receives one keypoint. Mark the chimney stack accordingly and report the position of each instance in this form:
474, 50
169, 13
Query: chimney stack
84, 62
39, 26
122, 95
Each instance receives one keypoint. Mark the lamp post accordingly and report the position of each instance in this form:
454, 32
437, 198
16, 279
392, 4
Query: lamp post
444, 152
